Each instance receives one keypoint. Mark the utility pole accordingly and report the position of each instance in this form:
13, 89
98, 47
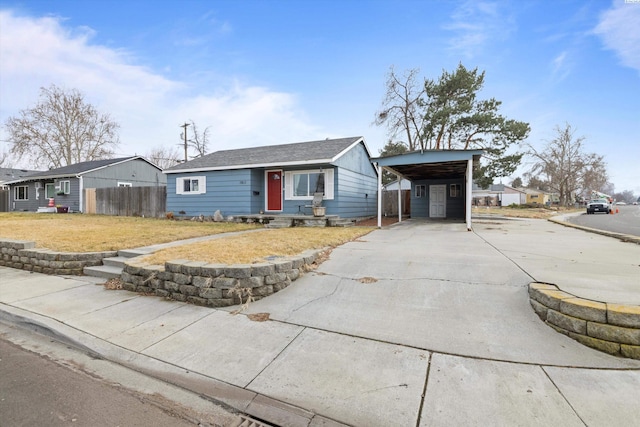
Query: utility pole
185, 140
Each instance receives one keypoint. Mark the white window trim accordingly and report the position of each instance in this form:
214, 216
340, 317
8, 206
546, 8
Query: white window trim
457, 192
124, 184
328, 184
15, 192
65, 187
202, 185
421, 194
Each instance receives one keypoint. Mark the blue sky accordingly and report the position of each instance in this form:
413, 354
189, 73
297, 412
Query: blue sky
269, 72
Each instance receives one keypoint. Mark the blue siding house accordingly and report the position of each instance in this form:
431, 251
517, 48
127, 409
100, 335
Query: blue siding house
277, 179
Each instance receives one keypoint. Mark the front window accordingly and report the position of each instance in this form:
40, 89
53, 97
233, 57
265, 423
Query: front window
302, 185
65, 187
21, 192
50, 191
307, 184
191, 185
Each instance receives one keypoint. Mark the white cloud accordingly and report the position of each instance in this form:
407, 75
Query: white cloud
476, 24
38, 52
619, 29
561, 65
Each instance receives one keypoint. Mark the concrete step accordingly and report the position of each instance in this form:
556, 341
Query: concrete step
103, 271
343, 224
132, 253
338, 222
117, 261
279, 223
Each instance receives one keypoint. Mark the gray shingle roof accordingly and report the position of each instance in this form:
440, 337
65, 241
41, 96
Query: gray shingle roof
10, 174
302, 152
73, 170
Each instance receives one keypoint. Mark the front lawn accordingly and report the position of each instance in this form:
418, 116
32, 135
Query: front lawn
258, 246
92, 233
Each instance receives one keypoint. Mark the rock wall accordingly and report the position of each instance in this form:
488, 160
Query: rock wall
216, 285
23, 255
612, 328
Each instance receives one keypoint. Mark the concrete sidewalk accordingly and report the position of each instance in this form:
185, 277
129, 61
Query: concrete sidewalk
418, 324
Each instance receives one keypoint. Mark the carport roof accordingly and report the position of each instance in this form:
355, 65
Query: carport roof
431, 164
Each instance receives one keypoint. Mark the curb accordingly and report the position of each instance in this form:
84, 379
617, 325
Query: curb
234, 398
623, 237
611, 328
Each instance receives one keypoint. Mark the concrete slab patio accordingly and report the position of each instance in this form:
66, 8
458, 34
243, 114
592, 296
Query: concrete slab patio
422, 324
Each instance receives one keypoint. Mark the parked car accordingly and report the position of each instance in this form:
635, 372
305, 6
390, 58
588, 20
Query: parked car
598, 205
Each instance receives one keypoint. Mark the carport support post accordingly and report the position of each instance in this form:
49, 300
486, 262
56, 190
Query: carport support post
399, 178
379, 170
468, 193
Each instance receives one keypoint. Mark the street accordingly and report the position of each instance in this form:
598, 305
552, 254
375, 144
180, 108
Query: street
626, 221
58, 386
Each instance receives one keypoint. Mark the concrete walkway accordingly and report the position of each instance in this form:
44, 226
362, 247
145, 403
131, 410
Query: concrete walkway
418, 324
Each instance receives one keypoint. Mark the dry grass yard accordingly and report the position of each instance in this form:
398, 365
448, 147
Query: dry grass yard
540, 213
256, 247
90, 233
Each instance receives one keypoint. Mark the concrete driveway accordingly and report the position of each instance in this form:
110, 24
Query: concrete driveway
435, 286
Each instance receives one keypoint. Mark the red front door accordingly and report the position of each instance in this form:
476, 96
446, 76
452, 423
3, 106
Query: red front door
274, 190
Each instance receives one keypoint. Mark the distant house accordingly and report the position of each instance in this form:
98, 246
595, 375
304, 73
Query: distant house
66, 185
7, 175
537, 197
277, 179
498, 195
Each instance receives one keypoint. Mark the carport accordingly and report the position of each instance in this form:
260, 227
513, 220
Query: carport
435, 171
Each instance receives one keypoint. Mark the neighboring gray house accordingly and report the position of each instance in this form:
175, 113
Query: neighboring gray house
6, 175
66, 185
277, 179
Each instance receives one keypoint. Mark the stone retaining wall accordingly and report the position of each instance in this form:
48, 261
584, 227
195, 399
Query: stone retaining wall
216, 285
612, 328
22, 254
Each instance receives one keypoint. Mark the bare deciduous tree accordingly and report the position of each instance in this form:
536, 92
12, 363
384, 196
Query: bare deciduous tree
566, 168
401, 108
61, 129
199, 141
163, 157
4, 159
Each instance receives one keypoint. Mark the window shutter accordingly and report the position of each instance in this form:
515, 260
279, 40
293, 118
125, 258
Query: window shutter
328, 184
288, 185
202, 182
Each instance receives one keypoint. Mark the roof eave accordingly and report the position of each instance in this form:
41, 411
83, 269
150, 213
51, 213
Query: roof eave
250, 166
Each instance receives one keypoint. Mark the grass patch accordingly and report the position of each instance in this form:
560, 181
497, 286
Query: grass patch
92, 233
539, 213
256, 247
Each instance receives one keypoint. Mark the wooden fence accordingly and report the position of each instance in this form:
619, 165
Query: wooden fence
390, 202
127, 201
